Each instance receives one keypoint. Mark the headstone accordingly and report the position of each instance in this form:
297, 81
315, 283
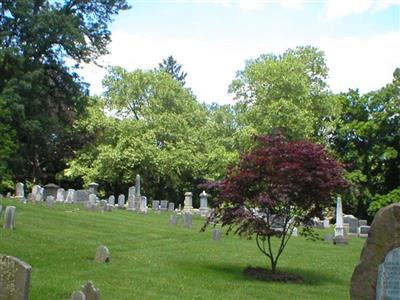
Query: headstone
50, 201
71, 196
377, 276
78, 295
93, 187
362, 223
39, 195
8, 195
188, 219
188, 205
50, 190
131, 198
164, 205
103, 204
339, 238
19, 190
173, 220
111, 200
353, 223
204, 209
131, 192
92, 198
363, 231
102, 254
325, 223
121, 201
328, 238
90, 291
15, 278
108, 207
295, 232
60, 195
171, 206
138, 197
35, 189
82, 195
155, 204
143, 204
216, 234
180, 207
9, 217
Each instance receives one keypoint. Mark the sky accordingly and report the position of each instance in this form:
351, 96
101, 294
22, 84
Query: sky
213, 39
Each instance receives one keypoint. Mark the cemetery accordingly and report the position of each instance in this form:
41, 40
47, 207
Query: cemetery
199, 150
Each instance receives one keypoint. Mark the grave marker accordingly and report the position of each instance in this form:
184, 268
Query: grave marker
14, 278
9, 217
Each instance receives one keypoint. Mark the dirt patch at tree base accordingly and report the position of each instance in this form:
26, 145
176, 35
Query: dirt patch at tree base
267, 275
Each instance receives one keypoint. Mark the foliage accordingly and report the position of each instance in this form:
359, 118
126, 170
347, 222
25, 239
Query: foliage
380, 201
171, 66
288, 93
367, 139
41, 91
275, 187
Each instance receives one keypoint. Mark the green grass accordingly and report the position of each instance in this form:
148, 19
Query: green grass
151, 259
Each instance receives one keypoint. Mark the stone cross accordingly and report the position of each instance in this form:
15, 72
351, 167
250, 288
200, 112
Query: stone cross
188, 201
9, 217
102, 254
15, 278
90, 291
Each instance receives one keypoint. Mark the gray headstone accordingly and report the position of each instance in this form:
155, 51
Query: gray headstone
14, 278
216, 234
71, 196
19, 190
143, 204
35, 189
39, 195
9, 217
362, 223
188, 218
164, 205
90, 291
364, 230
180, 207
171, 206
173, 220
102, 254
92, 198
121, 201
50, 190
388, 280
50, 201
93, 187
108, 207
60, 195
111, 200
103, 204
188, 202
78, 295
82, 195
155, 204
137, 186
131, 192
8, 195
353, 223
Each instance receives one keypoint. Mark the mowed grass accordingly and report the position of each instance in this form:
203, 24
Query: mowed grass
151, 259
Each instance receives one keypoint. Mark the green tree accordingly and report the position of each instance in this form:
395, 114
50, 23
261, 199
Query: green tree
43, 93
171, 66
286, 92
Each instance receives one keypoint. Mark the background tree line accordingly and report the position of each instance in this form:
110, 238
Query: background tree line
147, 122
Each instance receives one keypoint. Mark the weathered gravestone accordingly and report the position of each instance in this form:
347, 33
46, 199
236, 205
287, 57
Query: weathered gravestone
143, 204
50, 190
14, 278
19, 190
111, 200
204, 209
164, 205
82, 195
173, 220
9, 217
353, 223
90, 291
377, 276
121, 201
171, 206
36, 189
216, 234
155, 204
102, 254
71, 196
60, 195
364, 230
188, 202
50, 201
78, 295
362, 223
188, 218
93, 187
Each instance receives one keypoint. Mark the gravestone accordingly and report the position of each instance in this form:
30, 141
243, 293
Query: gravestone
187, 204
71, 196
339, 234
121, 201
171, 206
60, 195
108, 207
111, 200
295, 232
164, 205
102, 254
50, 190
131, 198
35, 189
82, 195
188, 219
364, 230
143, 204
50, 201
90, 291
155, 204
138, 197
93, 187
78, 295
362, 223
216, 235
39, 195
9, 217
15, 278
92, 198
353, 223
173, 220
103, 205
19, 190
325, 223
204, 209
370, 279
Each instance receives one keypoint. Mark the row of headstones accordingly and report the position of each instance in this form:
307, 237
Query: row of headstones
354, 226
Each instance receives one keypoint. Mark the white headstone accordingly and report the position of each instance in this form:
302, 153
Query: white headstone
339, 218
60, 195
121, 201
19, 190
111, 200
9, 217
188, 201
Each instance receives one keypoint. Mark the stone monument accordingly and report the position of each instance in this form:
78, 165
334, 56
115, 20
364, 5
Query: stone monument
9, 217
339, 238
204, 209
187, 205
19, 190
15, 278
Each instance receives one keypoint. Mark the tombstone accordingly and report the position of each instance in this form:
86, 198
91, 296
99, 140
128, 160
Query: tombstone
143, 204
180, 207
377, 275
325, 223
131, 198
19, 190
171, 206
295, 232
60, 195
363, 231
131, 192
173, 219
9, 217
353, 223
103, 204
164, 205
121, 201
328, 238
339, 238
39, 195
50, 201
92, 198
204, 209
111, 200
93, 187
102, 254
90, 291
82, 195
188, 220
35, 189
108, 207
78, 295
216, 235
362, 223
50, 190
71, 196
138, 197
188, 205
155, 204
15, 278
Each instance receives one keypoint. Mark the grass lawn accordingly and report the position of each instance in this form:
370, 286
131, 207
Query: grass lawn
151, 259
